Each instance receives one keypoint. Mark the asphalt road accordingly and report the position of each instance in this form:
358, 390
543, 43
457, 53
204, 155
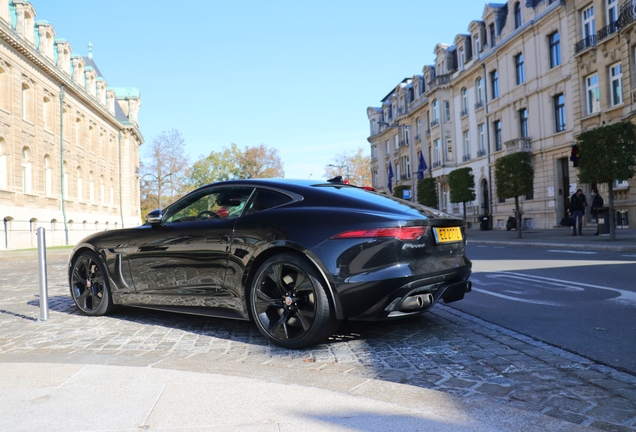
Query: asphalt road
581, 301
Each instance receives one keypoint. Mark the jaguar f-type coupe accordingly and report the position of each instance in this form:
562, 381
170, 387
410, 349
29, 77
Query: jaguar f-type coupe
295, 256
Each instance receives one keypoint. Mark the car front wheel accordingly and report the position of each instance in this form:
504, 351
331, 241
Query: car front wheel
289, 303
89, 285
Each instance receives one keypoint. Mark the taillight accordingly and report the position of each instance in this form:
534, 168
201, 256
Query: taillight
402, 233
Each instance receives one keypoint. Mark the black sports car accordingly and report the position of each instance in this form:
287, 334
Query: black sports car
295, 256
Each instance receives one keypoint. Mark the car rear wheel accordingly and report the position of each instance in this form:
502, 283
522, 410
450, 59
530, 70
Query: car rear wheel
289, 303
89, 285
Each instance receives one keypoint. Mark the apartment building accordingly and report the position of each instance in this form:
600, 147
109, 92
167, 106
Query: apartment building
525, 77
69, 143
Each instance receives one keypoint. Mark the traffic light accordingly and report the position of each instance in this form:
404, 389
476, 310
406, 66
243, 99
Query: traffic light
574, 155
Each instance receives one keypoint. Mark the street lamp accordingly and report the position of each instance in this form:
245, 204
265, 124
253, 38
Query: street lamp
411, 171
344, 165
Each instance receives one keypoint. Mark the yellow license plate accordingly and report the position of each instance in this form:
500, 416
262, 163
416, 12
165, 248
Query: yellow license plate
447, 235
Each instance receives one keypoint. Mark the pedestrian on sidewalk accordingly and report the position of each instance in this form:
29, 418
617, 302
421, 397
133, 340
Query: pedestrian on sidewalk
577, 208
597, 203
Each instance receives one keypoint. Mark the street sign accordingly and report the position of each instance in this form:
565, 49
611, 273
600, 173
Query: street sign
406, 194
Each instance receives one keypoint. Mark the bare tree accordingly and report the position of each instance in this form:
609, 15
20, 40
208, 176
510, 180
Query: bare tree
260, 162
352, 166
163, 174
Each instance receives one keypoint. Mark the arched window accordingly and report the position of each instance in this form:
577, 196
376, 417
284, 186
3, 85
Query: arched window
464, 101
48, 114
27, 171
112, 193
80, 190
4, 166
4, 89
91, 187
65, 181
48, 176
66, 125
102, 191
78, 132
480, 90
27, 102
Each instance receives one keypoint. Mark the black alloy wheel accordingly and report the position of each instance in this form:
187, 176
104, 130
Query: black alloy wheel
289, 303
89, 285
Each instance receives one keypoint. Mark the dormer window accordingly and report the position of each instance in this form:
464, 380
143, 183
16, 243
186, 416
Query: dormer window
491, 29
477, 44
517, 15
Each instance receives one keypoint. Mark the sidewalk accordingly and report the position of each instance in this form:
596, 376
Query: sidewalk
79, 373
557, 238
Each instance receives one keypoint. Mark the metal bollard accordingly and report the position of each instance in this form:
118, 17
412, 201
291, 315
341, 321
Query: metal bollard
44, 295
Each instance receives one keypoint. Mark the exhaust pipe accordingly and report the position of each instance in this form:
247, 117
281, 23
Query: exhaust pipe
419, 301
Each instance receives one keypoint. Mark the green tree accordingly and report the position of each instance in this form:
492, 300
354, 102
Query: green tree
607, 154
462, 186
351, 165
427, 192
233, 163
514, 176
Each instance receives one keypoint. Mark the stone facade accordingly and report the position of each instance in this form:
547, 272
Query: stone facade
69, 144
517, 81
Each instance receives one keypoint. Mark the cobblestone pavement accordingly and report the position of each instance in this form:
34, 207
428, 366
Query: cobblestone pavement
443, 350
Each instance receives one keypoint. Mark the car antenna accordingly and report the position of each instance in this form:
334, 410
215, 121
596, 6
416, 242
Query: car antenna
336, 179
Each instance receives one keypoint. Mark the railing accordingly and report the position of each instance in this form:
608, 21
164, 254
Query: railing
627, 13
438, 81
434, 123
404, 143
585, 43
437, 164
463, 113
481, 153
606, 31
417, 137
479, 105
466, 157
517, 144
428, 132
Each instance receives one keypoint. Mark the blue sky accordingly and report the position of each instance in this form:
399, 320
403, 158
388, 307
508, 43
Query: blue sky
293, 75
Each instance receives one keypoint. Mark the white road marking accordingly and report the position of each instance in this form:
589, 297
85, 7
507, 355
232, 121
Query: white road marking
630, 256
573, 252
540, 302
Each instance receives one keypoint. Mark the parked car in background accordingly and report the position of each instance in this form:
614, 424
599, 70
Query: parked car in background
295, 256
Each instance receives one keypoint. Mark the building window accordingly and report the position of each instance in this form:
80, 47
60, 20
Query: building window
65, 181
449, 149
464, 101
27, 102
48, 114
521, 78
102, 191
482, 139
462, 59
418, 128
4, 90
374, 179
91, 187
407, 166
517, 15
491, 28
4, 173
593, 94
435, 112
80, 186
48, 176
466, 145
405, 133
447, 113
374, 152
438, 152
494, 80
559, 112
497, 134
477, 44
616, 84
27, 171
612, 11
523, 123
388, 147
555, 49
480, 90
589, 25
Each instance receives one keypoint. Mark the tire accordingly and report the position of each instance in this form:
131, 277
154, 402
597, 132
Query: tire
289, 303
88, 282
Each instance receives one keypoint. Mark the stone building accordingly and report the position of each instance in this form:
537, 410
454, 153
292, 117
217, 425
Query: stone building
518, 80
69, 143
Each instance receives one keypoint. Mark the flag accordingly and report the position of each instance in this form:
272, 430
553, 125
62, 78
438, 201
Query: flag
390, 177
421, 167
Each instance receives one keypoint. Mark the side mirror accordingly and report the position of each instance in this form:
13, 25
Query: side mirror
154, 217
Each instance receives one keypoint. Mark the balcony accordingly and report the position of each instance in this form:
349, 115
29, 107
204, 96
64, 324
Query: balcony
428, 132
466, 157
417, 138
404, 143
606, 31
584, 44
463, 113
439, 81
481, 153
518, 144
627, 13
434, 123
479, 105
437, 164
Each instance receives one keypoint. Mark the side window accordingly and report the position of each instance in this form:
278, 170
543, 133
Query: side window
266, 199
210, 204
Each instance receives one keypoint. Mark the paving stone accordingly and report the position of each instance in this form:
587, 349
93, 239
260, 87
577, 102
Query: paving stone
567, 416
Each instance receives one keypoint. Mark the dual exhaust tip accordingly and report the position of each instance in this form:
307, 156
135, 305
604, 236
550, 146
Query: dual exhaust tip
426, 300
